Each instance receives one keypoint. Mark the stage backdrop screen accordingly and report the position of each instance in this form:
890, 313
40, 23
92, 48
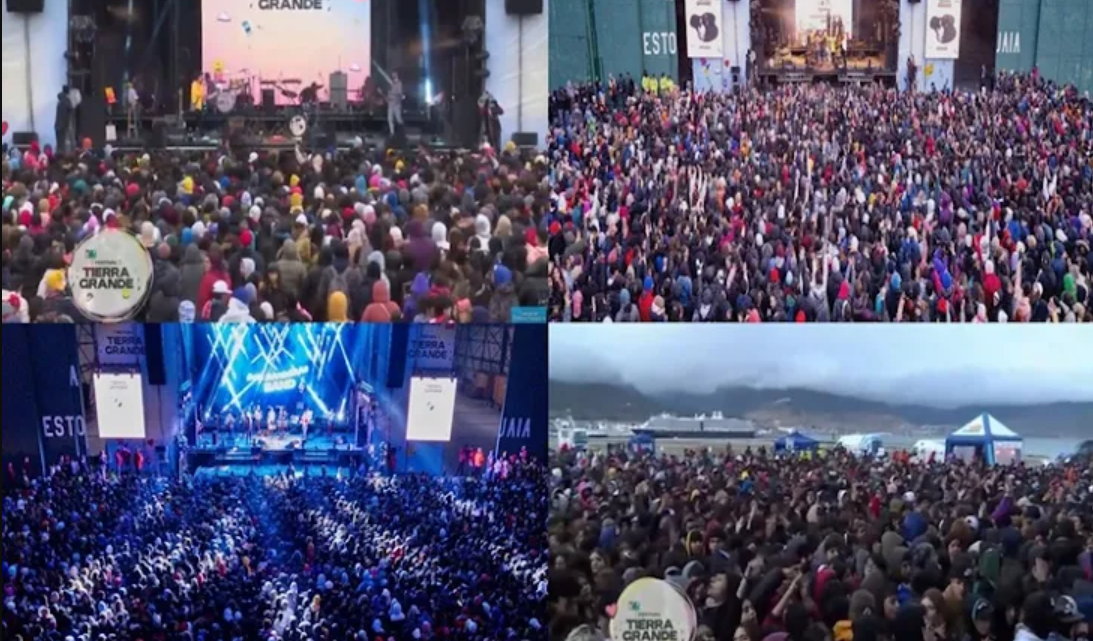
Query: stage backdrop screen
813, 15
119, 399
282, 40
294, 367
432, 410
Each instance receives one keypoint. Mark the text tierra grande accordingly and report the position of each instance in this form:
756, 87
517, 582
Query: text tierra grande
650, 630
106, 278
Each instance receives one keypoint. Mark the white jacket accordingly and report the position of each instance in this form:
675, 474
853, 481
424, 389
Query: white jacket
237, 313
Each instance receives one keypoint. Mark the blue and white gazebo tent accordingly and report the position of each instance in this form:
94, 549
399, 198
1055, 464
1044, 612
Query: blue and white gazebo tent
796, 442
643, 443
985, 438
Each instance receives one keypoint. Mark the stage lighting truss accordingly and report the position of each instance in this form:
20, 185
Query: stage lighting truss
83, 29
484, 348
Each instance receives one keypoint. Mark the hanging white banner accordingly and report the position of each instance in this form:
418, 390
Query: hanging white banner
943, 29
705, 29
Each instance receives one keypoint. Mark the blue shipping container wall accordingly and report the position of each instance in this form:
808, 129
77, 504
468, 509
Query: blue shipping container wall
1054, 35
596, 38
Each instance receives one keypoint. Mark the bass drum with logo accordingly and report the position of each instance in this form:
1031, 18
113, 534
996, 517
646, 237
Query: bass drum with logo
225, 101
297, 126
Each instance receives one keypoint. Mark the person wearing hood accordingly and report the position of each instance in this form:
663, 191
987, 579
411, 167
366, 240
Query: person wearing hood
504, 295
482, 229
291, 269
342, 276
245, 260
57, 305
420, 250
239, 305
337, 308
628, 312
166, 298
163, 266
415, 301
535, 287
645, 302
381, 309
191, 274
216, 271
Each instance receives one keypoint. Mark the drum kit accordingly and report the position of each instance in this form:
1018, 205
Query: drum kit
236, 93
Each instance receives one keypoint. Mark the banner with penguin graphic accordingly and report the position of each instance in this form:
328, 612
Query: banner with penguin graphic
704, 29
943, 29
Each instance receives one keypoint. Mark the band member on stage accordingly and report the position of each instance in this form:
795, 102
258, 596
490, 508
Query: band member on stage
282, 420
229, 424
305, 422
395, 96
198, 93
310, 95
490, 113
271, 420
370, 98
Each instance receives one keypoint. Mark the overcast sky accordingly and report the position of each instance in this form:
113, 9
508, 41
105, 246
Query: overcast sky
940, 366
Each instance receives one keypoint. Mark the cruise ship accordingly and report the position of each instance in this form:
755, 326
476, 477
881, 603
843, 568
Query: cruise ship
701, 426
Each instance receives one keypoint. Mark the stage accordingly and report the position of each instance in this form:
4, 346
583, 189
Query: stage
269, 470
244, 459
795, 76
194, 76
155, 399
273, 442
839, 42
269, 131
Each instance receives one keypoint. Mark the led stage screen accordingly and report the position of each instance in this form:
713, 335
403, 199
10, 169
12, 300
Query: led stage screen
295, 367
119, 399
432, 409
286, 45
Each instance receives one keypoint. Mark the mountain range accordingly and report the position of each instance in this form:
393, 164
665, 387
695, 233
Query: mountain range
808, 409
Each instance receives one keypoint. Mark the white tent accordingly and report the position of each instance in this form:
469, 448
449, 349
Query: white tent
986, 437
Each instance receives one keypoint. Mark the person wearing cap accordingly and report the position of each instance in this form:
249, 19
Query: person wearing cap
983, 620
217, 306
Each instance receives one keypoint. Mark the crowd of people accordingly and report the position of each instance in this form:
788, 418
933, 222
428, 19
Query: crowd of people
817, 203
426, 236
822, 548
93, 556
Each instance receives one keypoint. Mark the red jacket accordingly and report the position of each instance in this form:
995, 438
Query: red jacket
205, 292
645, 307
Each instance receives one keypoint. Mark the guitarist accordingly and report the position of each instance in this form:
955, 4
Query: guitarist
395, 97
